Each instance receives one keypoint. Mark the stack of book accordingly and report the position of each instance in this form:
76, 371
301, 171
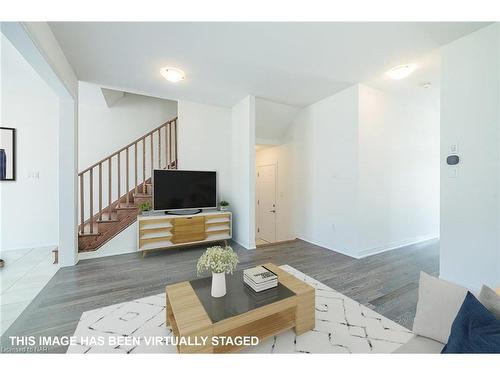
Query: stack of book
260, 278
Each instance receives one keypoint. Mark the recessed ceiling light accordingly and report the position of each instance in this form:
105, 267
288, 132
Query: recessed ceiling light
172, 74
401, 71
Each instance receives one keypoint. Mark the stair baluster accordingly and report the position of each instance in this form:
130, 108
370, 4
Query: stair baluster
144, 165
135, 168
91, 200
170, 143
127, 200
159, 148
118, 180
175, 143
152, 154
166, 145
100, 191
82, 206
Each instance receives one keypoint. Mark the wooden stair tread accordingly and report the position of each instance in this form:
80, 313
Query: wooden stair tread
142, 195
106, 218
92, 243
87, 232
124, 206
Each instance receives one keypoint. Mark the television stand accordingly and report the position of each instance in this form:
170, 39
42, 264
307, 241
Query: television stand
183, 212
159, 231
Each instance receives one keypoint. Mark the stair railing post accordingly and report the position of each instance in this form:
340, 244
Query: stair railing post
109, 188
91, 200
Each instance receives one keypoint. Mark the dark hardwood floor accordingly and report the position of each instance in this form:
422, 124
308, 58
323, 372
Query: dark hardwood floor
387, 282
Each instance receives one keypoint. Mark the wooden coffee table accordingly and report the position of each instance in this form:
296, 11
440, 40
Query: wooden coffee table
193, 314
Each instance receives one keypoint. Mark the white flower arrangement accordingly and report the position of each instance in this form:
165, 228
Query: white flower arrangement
217, 259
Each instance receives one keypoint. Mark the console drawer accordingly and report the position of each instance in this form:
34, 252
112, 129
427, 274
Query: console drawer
195, 228
192, 220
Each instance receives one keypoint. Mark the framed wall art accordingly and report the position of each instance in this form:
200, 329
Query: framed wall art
7, 154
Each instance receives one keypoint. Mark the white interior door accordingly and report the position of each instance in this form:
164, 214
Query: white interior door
266, 203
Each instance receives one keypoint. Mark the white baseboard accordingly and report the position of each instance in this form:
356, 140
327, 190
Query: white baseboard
318, 243
246, 246
395, 245
375, 250
101, 254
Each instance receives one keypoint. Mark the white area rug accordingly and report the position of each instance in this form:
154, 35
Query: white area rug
342, 326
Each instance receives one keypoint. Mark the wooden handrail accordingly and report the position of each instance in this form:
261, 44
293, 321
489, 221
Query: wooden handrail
127, 146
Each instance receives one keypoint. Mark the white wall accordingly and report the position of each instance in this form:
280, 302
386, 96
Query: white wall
272, 120
243, 172
398, 168
37, 44
205, 141
103, 130
281, 156
123, 243
366, 171
29, 205
470, 99
324, 141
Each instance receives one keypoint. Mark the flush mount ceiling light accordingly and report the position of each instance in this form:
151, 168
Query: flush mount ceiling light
401, 71
172, 74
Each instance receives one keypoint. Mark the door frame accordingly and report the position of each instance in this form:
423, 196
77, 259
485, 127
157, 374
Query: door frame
275, 165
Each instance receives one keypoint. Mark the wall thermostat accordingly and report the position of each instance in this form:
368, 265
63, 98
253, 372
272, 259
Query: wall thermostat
452, 160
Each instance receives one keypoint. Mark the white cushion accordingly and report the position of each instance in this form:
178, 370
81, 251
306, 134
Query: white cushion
437, 307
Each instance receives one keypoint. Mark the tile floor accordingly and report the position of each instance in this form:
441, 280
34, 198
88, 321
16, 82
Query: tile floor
24, 275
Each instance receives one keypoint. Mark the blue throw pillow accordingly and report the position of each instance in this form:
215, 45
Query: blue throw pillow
474, 330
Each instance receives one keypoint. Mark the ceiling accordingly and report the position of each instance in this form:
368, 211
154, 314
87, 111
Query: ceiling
291, 63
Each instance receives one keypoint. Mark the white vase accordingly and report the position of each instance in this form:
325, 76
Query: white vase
218, 284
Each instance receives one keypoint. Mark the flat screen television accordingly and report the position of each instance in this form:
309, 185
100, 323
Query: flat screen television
184, 190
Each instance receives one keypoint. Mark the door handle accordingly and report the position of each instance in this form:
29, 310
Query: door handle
273, 211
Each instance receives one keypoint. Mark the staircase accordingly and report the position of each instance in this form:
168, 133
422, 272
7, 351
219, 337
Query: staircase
111, 189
